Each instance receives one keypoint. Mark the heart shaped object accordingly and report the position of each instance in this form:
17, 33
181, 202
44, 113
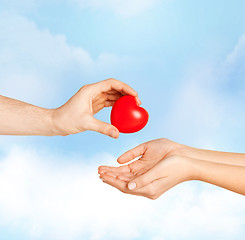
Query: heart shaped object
127, 116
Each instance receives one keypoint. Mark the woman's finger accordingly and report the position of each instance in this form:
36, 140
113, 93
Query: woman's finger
122, 173
117, 183
132, 154
121, 176
125, 177
147, 191
145, 179
121, 169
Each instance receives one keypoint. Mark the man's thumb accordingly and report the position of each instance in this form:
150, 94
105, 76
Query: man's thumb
103, 128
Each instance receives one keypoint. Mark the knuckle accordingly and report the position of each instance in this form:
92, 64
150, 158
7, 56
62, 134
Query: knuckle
131, 154
144, 145
141, 182
106, 80
150, 197
124, 191
165, 140
151, 190
109, 80
106, 128
153, 197
84, 87
152, 193
112, 81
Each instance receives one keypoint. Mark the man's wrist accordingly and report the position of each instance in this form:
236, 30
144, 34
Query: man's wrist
56, 127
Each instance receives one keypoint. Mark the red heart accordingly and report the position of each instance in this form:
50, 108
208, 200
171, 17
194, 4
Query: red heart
127, 116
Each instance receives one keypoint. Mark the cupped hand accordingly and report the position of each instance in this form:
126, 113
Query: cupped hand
157, 170
77, 115
149, 154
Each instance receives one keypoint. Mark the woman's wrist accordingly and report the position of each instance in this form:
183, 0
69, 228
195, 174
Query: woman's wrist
186, 167
191, 168
186, 151
194, 153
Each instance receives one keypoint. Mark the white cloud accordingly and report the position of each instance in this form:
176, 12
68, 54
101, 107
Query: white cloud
196, 112
208, 108
53, 197
51, 193
37, 66
33, 61
238, 53
234, 68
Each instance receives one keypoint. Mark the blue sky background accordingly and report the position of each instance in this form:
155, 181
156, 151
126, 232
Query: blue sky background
187, 61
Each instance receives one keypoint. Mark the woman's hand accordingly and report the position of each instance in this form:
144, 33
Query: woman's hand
152, 183
154, 173
77, 115
164, 164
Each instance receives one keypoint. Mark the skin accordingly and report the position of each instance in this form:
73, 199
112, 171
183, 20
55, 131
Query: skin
163, 164
75, 116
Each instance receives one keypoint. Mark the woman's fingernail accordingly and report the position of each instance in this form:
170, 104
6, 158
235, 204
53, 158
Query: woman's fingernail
131, 186
113, 133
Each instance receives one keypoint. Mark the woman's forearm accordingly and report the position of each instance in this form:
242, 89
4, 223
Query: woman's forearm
237, 159
223, 175
20, 118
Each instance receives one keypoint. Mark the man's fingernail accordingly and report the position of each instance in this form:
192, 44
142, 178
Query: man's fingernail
131, 186
113, 133
138, 101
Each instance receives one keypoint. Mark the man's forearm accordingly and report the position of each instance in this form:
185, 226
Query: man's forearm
223, 175
20, 118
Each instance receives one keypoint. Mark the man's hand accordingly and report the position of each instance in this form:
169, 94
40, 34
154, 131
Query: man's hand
77, 115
